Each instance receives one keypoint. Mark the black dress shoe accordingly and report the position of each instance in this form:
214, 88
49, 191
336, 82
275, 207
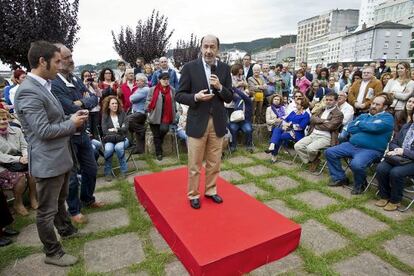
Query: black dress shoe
337, 183
195, 203
215, 198
268, 151
5, 241
356, 191
10, 232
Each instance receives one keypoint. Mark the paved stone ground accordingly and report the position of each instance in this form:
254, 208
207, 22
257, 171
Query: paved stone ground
341, 234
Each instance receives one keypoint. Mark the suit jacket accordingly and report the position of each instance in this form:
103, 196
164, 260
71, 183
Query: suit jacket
379, 73
332, 124
250, 72
375, 84
46, 128
193, 79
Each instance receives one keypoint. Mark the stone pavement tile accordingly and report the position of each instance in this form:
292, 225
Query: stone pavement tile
29, 237
106, 220
286, 165
33, 265
231, 175
239, 160
158, 241
315, 199
282, 183
311, 177
109, 197
258, 170
402, 247
352, 218
261, 156
113, 253
175, 268
173, 167
166, 161
366, 264
342, 191
251, 189
130, 178
397, 216
102, 183
280, 207
141, 164
288, 264
125, 272
320, 239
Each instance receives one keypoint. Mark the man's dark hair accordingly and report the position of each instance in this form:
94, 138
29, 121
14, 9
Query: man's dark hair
218, 42
121, 63
332, 94
247, 55
40, 49
388, 99
304, 62
280, 66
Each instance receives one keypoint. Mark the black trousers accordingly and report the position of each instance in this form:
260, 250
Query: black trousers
159, 132
5, 215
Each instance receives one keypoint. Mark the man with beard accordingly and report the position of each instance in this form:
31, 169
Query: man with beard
204, 86
370, 134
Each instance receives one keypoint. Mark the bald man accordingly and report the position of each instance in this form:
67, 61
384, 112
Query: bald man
164, 68
204, 86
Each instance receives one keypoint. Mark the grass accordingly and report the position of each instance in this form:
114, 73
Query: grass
155, 261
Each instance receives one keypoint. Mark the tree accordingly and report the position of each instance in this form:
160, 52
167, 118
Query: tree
25, 21
186, 51
149, 41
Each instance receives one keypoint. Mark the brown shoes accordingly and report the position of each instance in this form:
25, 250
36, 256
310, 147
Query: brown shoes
314, 165
381, 203
79, 219
392, 206
96, 205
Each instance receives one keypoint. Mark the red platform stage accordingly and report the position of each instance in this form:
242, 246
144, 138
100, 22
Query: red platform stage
231, 238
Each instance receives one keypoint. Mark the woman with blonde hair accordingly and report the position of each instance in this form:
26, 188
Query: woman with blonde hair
401, 87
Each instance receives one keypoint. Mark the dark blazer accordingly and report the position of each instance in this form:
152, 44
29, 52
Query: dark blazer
193, 79
107, 123
250, 72
46, 128
398, 140
67, 93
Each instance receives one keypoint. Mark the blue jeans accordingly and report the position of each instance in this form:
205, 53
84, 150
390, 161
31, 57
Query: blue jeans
85, 156
119, 148
391, 180
279, 137
361, 159
247, 129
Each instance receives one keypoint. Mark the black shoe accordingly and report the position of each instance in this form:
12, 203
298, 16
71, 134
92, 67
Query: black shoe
268, 151
250, 149
159, 157
337, 183
215, 198
5, 241
7, 232
356, 191
195, 203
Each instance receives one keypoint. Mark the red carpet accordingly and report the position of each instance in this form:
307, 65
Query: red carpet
231, 238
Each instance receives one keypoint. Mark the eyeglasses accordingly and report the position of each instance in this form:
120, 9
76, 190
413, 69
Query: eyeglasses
165, 78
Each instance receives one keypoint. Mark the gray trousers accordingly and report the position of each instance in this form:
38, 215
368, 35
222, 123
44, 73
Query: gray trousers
308, 147
52, 193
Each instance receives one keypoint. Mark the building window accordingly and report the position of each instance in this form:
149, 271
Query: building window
387, 33
399, 33
386, 44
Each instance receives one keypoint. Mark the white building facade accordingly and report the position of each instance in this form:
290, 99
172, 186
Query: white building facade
367, 12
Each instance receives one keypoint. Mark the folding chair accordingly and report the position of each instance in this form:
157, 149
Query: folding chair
128, 152
409, 195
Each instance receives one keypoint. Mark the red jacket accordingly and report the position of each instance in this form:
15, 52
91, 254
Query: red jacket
126, 93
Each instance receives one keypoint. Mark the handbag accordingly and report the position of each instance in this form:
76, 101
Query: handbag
397, 160
113, 138
16, 167
237, 115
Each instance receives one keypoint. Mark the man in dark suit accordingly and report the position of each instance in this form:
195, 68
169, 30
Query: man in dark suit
382, 69
247, 66
73, 96
47, 131
204, 86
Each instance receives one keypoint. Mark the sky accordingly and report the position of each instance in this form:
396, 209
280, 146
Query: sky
231, 21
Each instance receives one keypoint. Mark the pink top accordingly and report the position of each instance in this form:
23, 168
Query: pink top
303, 83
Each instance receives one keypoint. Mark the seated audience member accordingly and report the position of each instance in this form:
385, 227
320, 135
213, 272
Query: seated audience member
348, 112
397, 164
128, 87
385, 78
114, 128
345, 79
160, 105
257, 88
14, 164
238, 81
333, 85
318, 102
275, 113
136, 120
370, 134
323, 132
293, 104
292, 128
401, 87
6, 219
302, 82
243, 103
363, 91
405, 116
182, 110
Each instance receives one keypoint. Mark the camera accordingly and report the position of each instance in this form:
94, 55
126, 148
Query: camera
90, 79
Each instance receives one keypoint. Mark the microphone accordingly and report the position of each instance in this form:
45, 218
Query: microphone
213, 69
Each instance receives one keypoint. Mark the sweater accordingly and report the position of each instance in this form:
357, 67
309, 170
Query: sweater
371, 131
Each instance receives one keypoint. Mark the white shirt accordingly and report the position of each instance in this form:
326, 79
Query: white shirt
348, 112
207, 71
115, 121
361, 93
12, 93
46, 83
246, 71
